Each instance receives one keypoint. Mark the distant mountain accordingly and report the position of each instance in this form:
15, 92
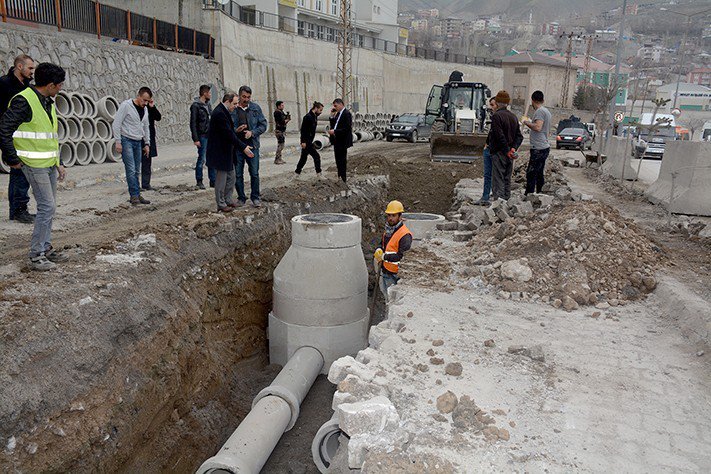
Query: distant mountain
543, 10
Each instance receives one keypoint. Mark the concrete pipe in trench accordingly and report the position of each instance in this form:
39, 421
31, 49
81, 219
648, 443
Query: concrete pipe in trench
274, 411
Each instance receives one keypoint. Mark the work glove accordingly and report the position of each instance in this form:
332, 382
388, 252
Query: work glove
378, 256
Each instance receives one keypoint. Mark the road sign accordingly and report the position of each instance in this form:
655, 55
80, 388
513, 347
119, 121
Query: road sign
676, 112
619, 116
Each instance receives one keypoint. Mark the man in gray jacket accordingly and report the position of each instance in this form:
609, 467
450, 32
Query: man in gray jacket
131, 129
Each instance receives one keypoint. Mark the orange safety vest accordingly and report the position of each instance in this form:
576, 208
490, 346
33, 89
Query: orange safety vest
393, 247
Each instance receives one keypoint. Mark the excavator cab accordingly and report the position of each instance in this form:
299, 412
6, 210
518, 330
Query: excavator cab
461, 121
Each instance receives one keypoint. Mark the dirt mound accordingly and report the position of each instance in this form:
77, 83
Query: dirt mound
579, 253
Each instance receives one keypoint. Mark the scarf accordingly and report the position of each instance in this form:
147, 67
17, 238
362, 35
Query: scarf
390, 230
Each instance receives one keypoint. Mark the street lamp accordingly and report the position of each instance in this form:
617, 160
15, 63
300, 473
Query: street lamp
683, 44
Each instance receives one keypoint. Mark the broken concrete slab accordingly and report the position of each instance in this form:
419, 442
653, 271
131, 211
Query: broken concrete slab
371, 416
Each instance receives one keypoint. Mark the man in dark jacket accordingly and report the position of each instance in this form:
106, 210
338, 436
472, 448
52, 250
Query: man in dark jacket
281, 120
251, 124
308, 132
200, 112
18, 78
147, 160
341, 133
504, 139
221, 144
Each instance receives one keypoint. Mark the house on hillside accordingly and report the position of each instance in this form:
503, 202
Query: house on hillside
528, 71
602, 75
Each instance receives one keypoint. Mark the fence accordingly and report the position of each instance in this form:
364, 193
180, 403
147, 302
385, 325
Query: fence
90, 16
331, 34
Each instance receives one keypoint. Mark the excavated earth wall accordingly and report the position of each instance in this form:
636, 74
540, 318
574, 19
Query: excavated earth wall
145, 354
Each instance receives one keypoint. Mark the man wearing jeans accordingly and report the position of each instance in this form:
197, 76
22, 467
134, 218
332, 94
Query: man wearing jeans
18, 78
540, 124
484, 201
28, 140
250, 123
200, 112
131, 131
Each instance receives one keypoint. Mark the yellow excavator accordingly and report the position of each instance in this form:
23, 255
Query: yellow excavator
461, 120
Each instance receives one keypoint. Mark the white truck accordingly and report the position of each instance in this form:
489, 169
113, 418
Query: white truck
656, 139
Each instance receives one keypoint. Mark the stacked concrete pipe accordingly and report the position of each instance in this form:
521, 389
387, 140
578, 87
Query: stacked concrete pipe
320, 314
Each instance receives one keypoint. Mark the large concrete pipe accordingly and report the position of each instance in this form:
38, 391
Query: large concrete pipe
103, 130
321, 142
98, 152
88, 130
61, 129
326, 443
4, 168
320, 290
112, 156
73, 130
82, 153
274, 411
421, 224
89, 104
106, 108
63, 104
359, 136
78, 106
67, 154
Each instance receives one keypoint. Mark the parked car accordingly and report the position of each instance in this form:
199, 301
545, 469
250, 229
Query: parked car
411, 127
656, 144
573, 138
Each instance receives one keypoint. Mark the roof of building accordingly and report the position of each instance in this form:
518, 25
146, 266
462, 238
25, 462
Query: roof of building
701, 70
683, 86
597, 66
528, 57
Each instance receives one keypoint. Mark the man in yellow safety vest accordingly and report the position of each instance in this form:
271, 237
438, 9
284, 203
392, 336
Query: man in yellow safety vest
28, 140
397, 239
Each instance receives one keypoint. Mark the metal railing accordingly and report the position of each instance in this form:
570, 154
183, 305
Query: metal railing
331, 34
90, 16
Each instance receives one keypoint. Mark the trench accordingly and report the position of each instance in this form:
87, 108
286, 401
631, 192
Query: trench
179, 381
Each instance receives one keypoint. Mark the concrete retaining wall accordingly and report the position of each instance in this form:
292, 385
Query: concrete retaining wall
104, 67
692, 184
298, 70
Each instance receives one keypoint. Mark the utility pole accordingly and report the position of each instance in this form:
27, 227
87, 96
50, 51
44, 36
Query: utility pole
344, 86
568, 69
615, 81
588, 55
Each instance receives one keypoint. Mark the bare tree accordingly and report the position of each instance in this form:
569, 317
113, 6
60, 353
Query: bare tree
693, 124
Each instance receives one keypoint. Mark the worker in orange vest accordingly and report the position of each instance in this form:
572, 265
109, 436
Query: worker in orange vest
397, 240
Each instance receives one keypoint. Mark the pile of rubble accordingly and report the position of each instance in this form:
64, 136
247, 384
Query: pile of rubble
564, 249
553, 174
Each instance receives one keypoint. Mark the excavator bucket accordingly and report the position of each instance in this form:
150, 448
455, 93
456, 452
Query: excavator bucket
464, 148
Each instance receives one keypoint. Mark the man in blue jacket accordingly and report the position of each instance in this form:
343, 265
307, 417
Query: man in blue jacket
250, 123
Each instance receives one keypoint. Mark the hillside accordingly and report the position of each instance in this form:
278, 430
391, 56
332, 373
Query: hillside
543, 10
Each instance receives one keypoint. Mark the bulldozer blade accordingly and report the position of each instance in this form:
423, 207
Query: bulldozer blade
455, 147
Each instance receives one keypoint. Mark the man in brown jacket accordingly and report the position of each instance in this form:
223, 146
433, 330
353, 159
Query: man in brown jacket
504, 139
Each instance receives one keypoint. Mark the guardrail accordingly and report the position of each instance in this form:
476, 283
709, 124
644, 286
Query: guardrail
323, 32
90, 16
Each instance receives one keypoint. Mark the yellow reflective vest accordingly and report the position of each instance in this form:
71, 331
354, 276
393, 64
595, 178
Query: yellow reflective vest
36, 142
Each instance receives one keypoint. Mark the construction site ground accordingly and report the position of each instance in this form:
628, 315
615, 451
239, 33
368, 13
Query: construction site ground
159, 321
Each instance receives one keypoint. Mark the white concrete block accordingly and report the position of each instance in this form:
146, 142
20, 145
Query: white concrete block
368, 417
344, 366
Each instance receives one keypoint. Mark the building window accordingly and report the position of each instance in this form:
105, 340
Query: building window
334, 7
319, 5
330, 36
311, 31
520, 70
301, 3
300, 27
319, 32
